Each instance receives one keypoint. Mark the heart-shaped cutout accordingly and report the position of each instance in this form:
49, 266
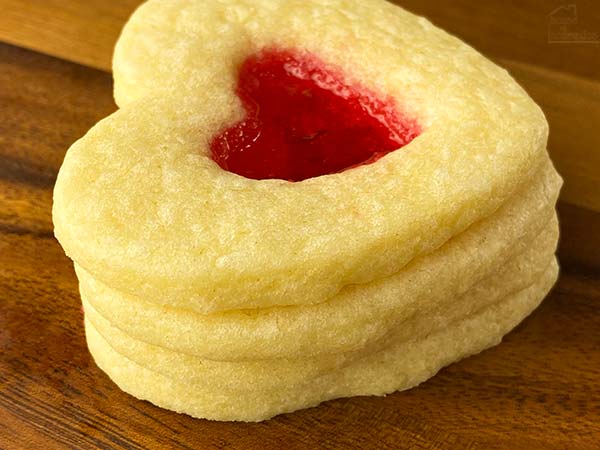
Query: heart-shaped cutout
303, 120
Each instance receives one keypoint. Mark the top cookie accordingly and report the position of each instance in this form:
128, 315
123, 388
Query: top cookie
142, 206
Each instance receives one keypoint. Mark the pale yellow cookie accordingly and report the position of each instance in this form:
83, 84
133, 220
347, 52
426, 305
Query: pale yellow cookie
301, 200
395, 368
519, 273
140, 204
358, 314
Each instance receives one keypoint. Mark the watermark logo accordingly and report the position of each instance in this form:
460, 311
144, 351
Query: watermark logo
563, 27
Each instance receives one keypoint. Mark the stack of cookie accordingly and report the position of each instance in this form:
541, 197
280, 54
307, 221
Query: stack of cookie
231, 298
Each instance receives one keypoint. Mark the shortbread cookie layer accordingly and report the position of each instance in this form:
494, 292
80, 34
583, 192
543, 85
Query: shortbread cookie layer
395, 368
521, 272
505, 278
140, 204
338, 325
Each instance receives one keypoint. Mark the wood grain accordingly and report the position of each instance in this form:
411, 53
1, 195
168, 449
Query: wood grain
76, 30
572, 106
518, 31
539, 389
564, 78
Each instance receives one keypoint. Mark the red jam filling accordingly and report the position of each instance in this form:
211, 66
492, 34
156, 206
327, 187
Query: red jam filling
303, 120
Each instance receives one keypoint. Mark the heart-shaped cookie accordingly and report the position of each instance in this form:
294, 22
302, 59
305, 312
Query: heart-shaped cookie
308, 197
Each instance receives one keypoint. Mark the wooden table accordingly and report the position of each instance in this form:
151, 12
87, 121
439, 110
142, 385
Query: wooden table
539, 389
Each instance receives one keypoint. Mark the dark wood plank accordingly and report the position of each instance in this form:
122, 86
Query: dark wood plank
539, 389
579, 246
524, 31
